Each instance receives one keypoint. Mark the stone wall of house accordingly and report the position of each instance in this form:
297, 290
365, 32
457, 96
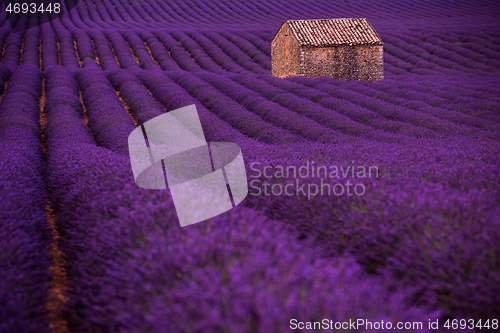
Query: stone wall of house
285, 51
361, 62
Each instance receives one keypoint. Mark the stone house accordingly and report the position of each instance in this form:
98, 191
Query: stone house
344, 48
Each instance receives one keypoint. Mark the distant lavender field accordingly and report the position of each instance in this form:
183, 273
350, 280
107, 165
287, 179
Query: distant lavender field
83, 249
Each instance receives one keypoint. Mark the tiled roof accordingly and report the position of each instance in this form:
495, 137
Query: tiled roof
331, 32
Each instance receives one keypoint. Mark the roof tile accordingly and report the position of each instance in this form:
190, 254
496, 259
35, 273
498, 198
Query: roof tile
331, 32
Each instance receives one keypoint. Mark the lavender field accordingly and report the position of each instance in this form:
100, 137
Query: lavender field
84, 249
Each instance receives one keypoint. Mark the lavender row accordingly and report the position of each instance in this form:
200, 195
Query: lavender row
217, 55
235, 53
325, 115
108, 120
425, 102
389, 111
415, 54
262, 59
106, 56
197, 53
12, 50
176, 51
121, 50
478, 52
232, 112
439, 184
220, 275
5, 73
159, 52
24, 228
274, 113
137, 44
67, 47
142, 105
31, 47
172, 97
258, 42
166, 13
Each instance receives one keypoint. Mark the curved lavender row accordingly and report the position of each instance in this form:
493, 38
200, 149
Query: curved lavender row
61, 89
155, 13
101, 15
463, 53
266, 36
154, 276
139, 9
273, 112
440, 49
423, 102
477, 103
24, 258
258, 42
65, 127
50, 56
254, 8
158, 51
198, 15
66, 42
121, 50
176, 7
163, 9
400, 66
479, 51
78, 17
142, 105
327, 115
233, 113
197, 52
20, 22
85, 48
119, 76
238, 56
439, 184
481, 45
31, 45
177, 52
275, 89
126, 16
111, 15
108, 120
426, 120
430, 125
4, 33
137, 45
215, 12
101, 44
255, 54
105, 8
393, 129
12, 53
365, 89
415, 64
137, 17
221, 58
402, 49
173, 97
94, 14
5, 73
